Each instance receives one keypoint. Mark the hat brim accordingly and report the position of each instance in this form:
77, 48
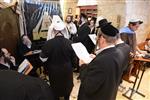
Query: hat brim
140, 22
106, 24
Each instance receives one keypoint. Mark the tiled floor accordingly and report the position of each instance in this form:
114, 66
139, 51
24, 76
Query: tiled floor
144, 88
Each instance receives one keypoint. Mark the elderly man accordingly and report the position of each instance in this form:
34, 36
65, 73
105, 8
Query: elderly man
60, 59
24, 46
6, 60
101, 77
51, 33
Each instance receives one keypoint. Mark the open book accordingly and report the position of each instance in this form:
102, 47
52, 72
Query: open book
25, 67
82, 52
93, 38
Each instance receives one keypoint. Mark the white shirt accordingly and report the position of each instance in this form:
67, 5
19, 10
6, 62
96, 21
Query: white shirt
100, 50
119, 42
71, 28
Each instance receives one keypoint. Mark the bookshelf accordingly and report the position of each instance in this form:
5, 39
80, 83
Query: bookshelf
89, 10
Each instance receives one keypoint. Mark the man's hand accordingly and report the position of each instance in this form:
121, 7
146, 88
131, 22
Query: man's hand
92, 56
81, 62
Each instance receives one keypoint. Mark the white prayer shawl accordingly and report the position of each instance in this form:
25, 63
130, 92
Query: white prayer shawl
51, 33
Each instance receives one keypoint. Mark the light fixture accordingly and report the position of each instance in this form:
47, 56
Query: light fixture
7, 1
86, 2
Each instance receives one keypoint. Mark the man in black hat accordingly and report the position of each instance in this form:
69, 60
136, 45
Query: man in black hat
16, 86
101, 77
103, 22
83, 32
122, 47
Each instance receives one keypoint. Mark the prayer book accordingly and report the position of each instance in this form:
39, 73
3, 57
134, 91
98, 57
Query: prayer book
93, 38
25, 67
82, 52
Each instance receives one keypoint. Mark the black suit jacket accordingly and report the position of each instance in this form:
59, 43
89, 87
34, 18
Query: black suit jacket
130, 39
125, 49
83, 32
16, 86
101, 77
12, 67
3, 67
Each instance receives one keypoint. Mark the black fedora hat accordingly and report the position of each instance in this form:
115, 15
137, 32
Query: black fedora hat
109, 30
103, 23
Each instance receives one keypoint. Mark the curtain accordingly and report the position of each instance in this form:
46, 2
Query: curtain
34, 11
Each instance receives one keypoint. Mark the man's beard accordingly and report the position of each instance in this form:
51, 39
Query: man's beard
6, 60
68, 22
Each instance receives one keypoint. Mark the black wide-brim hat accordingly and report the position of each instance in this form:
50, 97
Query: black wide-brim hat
103, 23
109, 30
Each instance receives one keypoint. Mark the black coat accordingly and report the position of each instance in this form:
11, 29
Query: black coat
93, 31
130, 39
101, 77
16, 86
22, 49
60, 63
91, 44
12, 67
83, 32
3, 67
125, 49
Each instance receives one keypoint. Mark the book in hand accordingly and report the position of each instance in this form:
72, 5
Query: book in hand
93, 38
82, 52
33, 52
25, 67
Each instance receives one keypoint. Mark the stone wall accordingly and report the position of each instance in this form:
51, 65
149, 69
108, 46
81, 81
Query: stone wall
121, 11
139, 9
113, 10
69, 5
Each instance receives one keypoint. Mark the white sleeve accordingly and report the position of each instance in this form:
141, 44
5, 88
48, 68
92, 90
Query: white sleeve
74, 29
50, 33
43, 59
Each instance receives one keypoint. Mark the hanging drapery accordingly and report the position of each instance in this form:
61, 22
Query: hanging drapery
38, 16
9, 30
